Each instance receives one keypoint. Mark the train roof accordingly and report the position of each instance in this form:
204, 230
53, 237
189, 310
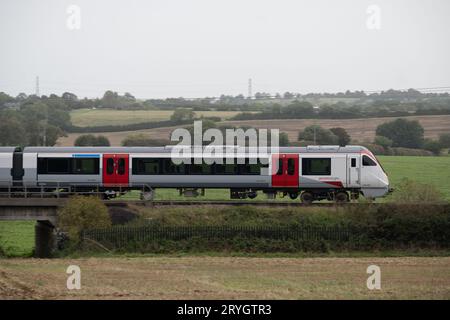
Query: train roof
167, 149
8, 149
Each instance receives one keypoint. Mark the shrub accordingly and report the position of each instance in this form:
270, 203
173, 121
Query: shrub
402, 132
433, 146
409, 152
444, 140
411, 191
89, 140
383, 141
81, 213
143, 140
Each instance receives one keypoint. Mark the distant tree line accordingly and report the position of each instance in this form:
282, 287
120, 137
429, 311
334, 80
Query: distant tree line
306, 110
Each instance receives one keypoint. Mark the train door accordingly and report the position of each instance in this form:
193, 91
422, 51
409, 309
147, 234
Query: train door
115, 169
286, 173
353, 171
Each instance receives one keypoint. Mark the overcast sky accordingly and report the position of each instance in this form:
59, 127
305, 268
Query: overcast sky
197, 48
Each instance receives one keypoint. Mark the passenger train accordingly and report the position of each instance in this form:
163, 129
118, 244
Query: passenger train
311, 173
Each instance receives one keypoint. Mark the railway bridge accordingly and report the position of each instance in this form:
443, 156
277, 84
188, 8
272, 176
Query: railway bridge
44, 212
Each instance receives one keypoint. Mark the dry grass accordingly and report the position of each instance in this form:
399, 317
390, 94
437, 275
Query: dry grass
359, 129
226, 278
99, 117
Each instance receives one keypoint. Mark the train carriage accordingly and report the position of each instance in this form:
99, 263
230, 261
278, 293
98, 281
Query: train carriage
313, 173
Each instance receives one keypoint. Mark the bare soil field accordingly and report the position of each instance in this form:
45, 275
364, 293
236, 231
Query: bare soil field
225, 278
359, 129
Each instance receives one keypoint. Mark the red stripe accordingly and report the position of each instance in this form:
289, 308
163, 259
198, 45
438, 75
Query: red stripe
335, 183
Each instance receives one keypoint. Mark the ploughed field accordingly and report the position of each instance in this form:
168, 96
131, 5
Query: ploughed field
359, 129
203, 277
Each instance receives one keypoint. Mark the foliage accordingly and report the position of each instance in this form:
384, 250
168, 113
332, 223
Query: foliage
433, 146
412, 191
89, 140
181, 114
444, 140
251, 229
383, 141
342, 135
402, 132
143, 140
81, 213
319, 135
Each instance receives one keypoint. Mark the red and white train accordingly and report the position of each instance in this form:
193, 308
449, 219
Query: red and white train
313, 173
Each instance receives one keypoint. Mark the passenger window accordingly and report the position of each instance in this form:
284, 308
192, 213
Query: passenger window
367, 162
121, 165
316, 166
85, 166
109, 166
291, 167
280, 167
353, 162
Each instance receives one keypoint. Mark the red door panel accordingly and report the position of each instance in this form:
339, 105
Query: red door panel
286, 174
115, 169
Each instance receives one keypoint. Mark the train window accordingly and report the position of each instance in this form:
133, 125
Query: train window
172, 168
109, 166
121, 166
353, 162
291, 167
368, 162
145, 166
54, 165
85, 166
225, 168
201, 169
316, 166
280, 167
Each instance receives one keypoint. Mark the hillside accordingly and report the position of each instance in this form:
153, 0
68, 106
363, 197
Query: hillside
359, 129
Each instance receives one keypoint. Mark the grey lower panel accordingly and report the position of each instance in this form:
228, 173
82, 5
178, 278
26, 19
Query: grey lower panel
73, 179
374, 192
212, 181
5, 177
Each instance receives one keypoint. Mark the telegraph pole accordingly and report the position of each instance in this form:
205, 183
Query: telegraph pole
37, 86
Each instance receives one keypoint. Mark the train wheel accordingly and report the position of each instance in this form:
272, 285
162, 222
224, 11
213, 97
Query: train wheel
293, 195
307, 197
341, 197
252, 195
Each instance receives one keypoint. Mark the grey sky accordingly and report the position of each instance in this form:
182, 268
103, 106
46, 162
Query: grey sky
196, 48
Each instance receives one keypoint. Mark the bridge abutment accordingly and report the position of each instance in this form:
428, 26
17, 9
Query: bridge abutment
45, 240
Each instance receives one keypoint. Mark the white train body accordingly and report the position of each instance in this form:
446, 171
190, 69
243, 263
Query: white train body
321, 170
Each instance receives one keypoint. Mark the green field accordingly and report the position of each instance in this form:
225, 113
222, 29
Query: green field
99, 117
430, 170
17, 238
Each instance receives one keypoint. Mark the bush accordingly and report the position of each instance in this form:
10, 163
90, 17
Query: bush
143, 140
444, 140
81, 213
366, 227
402, 132
383, 141
433, 146
409, 152
89, 140
411, 191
